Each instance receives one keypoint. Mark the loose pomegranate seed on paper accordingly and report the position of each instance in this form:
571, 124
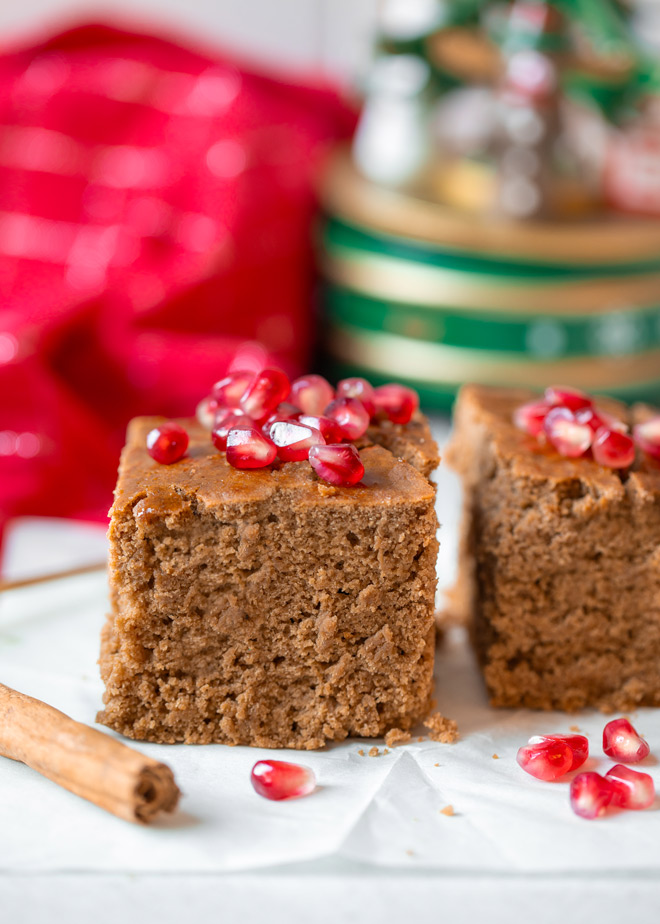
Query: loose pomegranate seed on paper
633, 790
549, 757
278, 779
167, 443
591, 794
622, 742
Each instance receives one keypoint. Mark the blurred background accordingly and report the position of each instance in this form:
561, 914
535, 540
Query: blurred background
427, 191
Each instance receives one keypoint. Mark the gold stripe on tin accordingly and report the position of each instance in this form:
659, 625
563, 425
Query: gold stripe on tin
604, 239
393, 279
395, 356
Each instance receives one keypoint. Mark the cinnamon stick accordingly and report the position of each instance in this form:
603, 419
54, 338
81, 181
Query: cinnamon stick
84, 761
52, 576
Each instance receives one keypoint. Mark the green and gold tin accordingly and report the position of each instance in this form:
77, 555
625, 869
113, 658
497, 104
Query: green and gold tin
416, 292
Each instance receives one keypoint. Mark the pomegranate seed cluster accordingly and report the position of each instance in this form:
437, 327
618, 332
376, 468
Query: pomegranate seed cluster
551, 757
569, 420
258, 418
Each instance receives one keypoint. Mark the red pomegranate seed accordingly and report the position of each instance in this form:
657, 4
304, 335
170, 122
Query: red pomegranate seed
229, 391
571, 398
529, 417
269, 388
633, 790
350, 416
283, 411
226, 420
206, 412
167, 443
546, 759
278, 779
591, 794
595, 419
578, 744
612, 448
647, 435
328, 427
312, 393
622, 742
247, 447
360, 389
396, 401
294, 440
338, 464
570, 438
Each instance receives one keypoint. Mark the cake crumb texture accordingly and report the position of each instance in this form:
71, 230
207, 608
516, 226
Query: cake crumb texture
441, 728
397, 736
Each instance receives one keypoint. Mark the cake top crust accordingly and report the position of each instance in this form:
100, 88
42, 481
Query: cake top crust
158, 490
493, 408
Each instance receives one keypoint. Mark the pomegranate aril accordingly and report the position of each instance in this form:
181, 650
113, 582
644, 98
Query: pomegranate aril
294, 440
328, 427
312, 393
613, 449
547, 759
167, 443
338, 464
278, 779
269, 388
226, 420
360, 389
647, 436
596, 419
571, 398
529, 417
247, 447
397, 402
578, 745
591, 794
283, 411
622, 742
229, 391
350, 415
632, 789
570, 438
206, 412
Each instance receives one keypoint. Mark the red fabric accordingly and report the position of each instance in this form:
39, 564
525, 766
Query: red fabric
155, 210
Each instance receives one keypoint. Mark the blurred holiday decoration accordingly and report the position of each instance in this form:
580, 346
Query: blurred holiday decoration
155, 212
479, 230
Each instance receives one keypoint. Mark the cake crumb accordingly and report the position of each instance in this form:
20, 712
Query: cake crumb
326, 490
447, 810
574, 728
496, 756
361, 752
436, 765
411, 853
441, 729
386, 751
396, 736
373, 752
421, 738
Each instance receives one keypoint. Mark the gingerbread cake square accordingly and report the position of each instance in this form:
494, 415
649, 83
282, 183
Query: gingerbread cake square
265, 607
560, 563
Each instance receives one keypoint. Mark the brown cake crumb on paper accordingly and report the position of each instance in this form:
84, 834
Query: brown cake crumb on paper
441, 728
373, 752
361, 752
496, 756
397, 736
447, 810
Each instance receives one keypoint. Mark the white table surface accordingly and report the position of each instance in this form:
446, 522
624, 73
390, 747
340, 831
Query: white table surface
369, 845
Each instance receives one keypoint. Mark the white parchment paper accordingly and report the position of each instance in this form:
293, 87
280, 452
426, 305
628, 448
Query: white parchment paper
382, 810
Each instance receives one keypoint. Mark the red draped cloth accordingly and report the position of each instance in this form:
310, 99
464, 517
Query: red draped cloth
155, 213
